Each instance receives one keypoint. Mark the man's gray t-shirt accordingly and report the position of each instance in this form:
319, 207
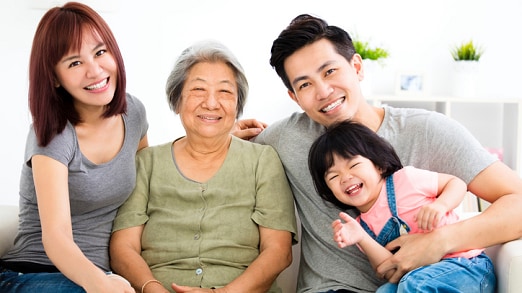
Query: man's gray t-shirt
424, 139
95, 191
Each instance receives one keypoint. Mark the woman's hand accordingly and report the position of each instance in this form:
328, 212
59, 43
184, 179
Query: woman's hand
112, 283
186, 289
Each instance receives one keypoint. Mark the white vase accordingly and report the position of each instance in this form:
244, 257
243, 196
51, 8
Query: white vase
370, 68
464, 83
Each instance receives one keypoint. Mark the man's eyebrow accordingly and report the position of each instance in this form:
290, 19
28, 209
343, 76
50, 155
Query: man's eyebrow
319, 69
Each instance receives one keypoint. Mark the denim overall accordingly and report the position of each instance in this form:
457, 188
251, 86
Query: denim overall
449, 275
395, 226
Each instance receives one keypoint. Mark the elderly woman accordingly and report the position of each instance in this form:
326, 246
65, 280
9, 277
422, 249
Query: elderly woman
210, 212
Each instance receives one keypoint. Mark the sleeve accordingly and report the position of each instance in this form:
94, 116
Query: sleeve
274, 200
270, 135
454, 150
134, 211
419, 181
139, 113
63, 147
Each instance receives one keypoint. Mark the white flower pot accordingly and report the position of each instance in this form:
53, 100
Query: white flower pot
464, 83
370, 68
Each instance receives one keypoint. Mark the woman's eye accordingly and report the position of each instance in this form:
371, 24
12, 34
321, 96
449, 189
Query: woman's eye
73, 64
101, 52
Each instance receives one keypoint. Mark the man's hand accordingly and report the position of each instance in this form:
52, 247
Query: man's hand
248, 128
416, 250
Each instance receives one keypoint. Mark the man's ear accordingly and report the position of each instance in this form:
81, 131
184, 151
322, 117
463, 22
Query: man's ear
293, 97
357, 64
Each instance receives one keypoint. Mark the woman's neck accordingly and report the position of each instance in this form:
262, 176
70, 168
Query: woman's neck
199, 158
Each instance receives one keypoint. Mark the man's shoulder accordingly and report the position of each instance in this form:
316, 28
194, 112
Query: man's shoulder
292, 127
298, 121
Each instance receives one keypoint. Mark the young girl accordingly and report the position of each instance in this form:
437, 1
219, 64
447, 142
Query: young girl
352, 166
79, 158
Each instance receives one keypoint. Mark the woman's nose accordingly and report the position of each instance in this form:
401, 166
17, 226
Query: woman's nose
93, 69
211, 101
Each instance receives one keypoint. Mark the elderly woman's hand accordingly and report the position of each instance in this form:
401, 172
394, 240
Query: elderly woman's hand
248, 128
187, 289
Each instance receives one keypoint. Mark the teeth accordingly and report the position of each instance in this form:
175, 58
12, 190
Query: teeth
332, 105
353, 188
210, 118
97, 86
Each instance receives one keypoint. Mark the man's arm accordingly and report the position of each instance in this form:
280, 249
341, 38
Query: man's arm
497, 184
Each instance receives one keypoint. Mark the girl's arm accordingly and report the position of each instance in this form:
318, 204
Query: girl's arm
51, 184
450, 193
351, 233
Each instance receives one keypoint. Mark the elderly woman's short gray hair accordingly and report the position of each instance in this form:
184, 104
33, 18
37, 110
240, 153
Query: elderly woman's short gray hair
205, 51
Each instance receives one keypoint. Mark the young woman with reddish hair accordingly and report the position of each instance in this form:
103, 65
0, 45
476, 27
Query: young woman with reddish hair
79, 158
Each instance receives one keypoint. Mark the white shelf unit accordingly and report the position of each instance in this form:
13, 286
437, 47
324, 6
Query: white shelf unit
500, 117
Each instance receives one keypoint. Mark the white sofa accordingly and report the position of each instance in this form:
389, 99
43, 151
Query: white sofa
506, 257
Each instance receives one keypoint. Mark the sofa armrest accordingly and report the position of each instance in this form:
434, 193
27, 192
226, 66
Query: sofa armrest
8, 227
507, 259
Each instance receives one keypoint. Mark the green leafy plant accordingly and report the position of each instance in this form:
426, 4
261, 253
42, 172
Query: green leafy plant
367, 52
467, 51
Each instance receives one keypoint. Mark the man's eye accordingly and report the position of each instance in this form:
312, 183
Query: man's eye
329, 71
304, 85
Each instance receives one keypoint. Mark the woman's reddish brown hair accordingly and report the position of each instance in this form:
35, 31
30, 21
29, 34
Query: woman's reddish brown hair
59, 32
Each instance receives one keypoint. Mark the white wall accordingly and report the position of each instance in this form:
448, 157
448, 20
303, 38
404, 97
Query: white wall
152, 33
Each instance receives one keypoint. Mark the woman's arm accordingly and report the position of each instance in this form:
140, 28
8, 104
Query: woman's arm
126, 260
275, 255
144, 142
497, 184
51, 184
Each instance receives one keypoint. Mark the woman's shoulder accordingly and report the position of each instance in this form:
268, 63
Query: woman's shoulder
245, 148
155, 150
133, 103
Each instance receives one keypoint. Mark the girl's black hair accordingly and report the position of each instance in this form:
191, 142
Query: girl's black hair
348, 139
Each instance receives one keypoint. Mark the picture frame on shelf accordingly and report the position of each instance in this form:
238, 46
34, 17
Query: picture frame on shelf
409, 83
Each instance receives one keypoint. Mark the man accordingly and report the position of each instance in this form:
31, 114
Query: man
321, 70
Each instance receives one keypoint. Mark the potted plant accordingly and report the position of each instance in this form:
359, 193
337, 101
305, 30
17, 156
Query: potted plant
371, 57
466, 56
467, 51
369, 53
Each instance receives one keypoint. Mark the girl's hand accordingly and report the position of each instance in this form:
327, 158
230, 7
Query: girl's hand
430, 215
348, 233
